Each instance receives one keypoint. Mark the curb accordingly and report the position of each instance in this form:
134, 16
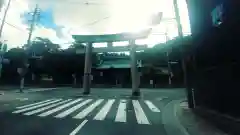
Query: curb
170, 120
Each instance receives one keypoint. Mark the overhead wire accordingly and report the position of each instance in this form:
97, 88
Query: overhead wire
78, 2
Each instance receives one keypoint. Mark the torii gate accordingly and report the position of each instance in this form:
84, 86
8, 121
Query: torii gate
109, 38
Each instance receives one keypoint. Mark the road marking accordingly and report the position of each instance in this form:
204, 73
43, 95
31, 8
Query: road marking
151, 106
33, 107
86, 111
59, 108
20, 107
76, 130
46, 107
140, 115
74, 108
121, 112
39, 90
103, 112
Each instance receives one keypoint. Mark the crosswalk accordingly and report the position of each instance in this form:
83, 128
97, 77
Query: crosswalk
96, 109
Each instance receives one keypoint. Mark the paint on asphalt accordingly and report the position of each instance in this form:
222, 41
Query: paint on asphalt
78, 128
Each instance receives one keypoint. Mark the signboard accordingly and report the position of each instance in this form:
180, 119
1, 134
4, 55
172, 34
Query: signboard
217, 15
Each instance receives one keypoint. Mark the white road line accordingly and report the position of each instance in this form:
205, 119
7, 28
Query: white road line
151, 106
74, 108
29, 105
46, 107
121, 112
59, 108
140, 115
76, 130
34, 107
87, 110
103, 112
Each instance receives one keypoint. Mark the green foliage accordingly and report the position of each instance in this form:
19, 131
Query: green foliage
17, 57
158, 54
40, 46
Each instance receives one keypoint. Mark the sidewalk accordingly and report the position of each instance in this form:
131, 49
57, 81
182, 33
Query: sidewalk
194, 124
26, 89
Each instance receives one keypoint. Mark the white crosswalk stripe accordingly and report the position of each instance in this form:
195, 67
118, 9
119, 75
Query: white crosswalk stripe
34, 107
74, 108
59, 108
121, 112
97, 109
86, 111
151, 106
140, 115
20, 107
103, 112
46, 107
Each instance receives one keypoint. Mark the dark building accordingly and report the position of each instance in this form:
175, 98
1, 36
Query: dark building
214, 69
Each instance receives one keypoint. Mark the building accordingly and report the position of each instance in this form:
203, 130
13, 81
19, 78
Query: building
215, 74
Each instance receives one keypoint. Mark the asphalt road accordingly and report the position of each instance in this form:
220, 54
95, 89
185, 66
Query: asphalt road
66, 111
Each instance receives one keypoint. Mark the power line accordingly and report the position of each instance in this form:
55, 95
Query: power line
96, 21
16, 27
79, 2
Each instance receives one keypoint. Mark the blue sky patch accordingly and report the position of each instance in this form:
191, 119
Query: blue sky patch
45, 19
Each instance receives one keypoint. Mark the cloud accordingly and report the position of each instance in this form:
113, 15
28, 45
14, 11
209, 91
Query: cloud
93, 17
15, 31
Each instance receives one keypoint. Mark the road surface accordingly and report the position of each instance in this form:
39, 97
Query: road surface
105, 112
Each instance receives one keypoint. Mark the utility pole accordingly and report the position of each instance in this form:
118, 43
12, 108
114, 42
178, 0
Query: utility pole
1, 31
24, 68
4, 18
169, 63
190, 93
180, 34
35, 16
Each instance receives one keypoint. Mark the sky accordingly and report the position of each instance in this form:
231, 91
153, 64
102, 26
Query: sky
59, 19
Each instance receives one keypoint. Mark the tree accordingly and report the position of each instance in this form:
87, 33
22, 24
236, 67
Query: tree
40, 46
18, 59
77, 45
